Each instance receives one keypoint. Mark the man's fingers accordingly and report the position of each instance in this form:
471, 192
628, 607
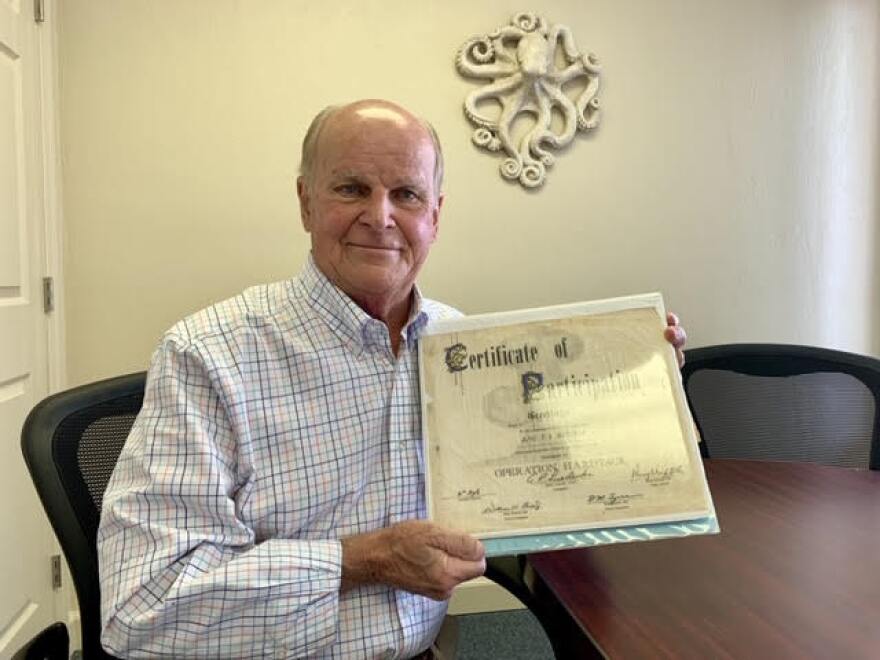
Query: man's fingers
461, 546
463, 569
675, 335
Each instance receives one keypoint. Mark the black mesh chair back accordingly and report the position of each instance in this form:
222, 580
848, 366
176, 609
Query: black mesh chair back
785, 402
71, 442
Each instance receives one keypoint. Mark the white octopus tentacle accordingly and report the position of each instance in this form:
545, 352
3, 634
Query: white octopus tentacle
497, 88
568, 46
528, 22
480, 48
510, 109
532, 172
484, 137
487, 71
482, 52
588, 104
574, 70
507, 32
511, 167
503, 56
570, 72
569, 112
591, 64
541, 128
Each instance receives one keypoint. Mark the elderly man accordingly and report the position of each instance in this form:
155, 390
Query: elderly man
269, 500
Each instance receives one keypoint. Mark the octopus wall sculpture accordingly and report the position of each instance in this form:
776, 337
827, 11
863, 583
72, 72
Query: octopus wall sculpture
521, 61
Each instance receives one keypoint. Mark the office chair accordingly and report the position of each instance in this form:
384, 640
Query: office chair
71, 442
52, 643
785, 402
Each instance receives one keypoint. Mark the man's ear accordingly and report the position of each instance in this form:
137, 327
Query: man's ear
305, 211
436, 215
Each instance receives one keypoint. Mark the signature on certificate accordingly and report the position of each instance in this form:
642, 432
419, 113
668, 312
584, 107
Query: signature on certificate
613, 500
468, 494
553, 476
656, 475
513, 511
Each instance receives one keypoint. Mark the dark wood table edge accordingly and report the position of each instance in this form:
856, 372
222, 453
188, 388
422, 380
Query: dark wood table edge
569, 639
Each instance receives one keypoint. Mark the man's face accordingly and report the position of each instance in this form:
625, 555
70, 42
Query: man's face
370, 207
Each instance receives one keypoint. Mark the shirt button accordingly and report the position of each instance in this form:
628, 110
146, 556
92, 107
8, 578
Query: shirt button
388, 654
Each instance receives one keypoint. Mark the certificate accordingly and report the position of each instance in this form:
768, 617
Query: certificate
558, 419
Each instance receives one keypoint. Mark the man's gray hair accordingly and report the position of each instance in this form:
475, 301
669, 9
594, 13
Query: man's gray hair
310, 146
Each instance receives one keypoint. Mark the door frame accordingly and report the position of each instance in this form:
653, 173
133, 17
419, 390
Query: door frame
49, 129
53, 265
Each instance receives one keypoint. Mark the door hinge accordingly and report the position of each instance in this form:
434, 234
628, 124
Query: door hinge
39, 11
56, 571
48, 294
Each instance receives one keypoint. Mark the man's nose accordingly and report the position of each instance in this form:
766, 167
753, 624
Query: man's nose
378, 212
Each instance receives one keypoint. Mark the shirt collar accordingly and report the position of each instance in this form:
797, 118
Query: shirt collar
348, 321
418, 317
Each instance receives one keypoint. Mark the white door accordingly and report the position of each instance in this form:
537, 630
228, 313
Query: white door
27, 603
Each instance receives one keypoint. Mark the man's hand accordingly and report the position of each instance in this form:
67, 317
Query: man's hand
676, 336
415, 555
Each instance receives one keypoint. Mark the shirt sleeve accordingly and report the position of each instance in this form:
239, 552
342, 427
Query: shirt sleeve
182, 575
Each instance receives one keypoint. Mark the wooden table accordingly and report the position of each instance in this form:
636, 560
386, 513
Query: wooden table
794, 573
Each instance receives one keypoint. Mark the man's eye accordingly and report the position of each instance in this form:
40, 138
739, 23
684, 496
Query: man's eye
349, 189
408, 195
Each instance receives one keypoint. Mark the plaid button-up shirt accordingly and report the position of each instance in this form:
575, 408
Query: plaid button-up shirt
273, 424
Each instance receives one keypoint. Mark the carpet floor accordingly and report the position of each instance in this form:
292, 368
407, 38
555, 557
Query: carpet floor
513, 635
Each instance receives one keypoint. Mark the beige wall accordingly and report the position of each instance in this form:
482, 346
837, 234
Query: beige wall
735, 169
